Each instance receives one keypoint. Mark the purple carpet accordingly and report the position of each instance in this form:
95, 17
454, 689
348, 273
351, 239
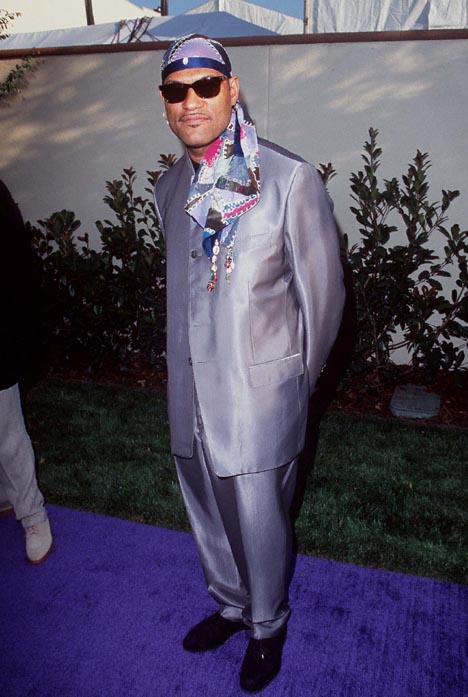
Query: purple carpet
105, 614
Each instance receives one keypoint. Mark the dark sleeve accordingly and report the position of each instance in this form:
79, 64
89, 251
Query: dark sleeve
15, 289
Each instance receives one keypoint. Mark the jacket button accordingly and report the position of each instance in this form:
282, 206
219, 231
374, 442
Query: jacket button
194, 253
190, 361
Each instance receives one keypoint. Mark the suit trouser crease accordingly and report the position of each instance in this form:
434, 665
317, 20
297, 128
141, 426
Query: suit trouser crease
18, 483
243, 533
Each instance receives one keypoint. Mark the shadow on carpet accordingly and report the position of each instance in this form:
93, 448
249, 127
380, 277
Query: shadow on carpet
105, 614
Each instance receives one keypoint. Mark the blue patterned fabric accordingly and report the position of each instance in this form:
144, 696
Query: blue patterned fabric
227, 184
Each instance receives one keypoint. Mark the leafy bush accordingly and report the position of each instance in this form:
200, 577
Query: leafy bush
399, 299
106, 305
17, 77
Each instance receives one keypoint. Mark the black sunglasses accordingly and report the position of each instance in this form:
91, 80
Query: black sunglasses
206, 88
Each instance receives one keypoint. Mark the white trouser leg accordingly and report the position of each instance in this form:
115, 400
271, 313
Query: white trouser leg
18, 483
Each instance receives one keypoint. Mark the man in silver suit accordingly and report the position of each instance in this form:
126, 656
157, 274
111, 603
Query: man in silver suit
254, 301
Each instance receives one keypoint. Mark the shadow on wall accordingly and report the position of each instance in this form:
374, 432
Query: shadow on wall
73, 102
326, 96
323, 98
81, 120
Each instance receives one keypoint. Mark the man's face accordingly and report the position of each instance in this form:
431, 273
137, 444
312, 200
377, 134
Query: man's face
197, 121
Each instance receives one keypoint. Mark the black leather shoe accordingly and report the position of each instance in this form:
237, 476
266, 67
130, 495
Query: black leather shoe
262, 662
211, 633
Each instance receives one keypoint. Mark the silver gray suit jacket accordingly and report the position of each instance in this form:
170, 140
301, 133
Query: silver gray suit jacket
253, 348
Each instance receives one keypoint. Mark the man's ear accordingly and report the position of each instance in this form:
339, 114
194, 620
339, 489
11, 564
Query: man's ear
234, 88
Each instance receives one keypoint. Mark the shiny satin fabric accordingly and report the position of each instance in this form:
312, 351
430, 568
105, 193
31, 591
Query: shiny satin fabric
253, 347
244, 537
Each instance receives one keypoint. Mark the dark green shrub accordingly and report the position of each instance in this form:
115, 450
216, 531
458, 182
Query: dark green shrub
70, 284
399, 299
17, 78
107, 305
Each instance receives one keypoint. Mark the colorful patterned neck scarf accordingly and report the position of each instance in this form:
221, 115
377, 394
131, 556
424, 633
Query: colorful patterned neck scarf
226, 186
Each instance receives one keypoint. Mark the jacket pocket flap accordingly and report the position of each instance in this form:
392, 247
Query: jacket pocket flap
276, 371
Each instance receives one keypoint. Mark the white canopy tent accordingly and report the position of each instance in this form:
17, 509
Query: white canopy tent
46, 15
219, 24
121, 21
277, 22
386, 15
331, 16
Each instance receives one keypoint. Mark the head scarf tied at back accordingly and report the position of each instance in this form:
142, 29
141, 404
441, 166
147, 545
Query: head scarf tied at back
227, 184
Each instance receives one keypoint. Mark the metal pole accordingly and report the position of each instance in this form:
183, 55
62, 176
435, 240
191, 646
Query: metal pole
307, 17
89, 12
164, 8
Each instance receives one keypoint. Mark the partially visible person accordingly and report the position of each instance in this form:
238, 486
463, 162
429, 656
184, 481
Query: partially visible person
19, 490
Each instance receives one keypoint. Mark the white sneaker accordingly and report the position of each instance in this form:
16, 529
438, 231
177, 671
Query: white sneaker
38, 542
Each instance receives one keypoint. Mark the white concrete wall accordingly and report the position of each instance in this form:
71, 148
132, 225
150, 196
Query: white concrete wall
84, 118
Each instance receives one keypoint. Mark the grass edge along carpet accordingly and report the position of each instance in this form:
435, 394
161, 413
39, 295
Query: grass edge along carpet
104, 616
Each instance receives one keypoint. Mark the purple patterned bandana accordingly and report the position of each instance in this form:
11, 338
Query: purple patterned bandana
195, 51
226, 186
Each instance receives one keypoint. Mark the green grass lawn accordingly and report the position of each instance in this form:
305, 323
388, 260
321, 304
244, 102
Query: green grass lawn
381, 493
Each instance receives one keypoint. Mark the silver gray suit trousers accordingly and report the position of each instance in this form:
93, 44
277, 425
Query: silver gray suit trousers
243, 533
